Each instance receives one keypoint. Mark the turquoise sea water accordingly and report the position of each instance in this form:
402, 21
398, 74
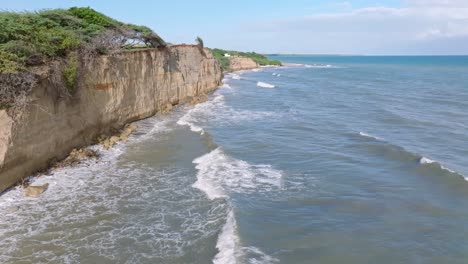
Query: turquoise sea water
330, 159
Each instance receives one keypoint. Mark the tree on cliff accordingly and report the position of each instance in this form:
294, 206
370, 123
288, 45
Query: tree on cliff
199, 42
201, 45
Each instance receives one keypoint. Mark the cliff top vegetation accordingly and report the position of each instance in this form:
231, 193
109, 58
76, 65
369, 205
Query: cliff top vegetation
71, 37
258, 58
32, 38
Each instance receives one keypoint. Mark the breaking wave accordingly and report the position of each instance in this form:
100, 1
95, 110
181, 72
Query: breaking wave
401, 153
320, 66
430, 162
218, 176
363, 134
216, 111
265, 85
103, 207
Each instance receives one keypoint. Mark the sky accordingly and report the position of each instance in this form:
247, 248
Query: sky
361, 27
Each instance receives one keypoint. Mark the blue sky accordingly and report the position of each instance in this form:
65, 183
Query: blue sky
295, 26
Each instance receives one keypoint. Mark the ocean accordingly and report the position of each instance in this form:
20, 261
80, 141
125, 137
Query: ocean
330, 159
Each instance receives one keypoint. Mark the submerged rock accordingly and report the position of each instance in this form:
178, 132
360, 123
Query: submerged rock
124, 134
76, 156
13, 209
127, 131
199, 99
35, 191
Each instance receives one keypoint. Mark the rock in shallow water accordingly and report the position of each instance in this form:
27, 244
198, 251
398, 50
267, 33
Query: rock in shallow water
35, 191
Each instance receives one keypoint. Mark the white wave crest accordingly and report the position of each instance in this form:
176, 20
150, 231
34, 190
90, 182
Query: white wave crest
219, 174
228, 242
363, 134
320, 66
265, 85
226, 86
192, 126
216, 111
190, 118
425, 160
235, 76
230, 249
292, 64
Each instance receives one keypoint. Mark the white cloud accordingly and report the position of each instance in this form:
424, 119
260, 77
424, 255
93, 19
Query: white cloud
438, 3
376, 29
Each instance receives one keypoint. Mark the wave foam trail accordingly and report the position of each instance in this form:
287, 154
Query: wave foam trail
427, 161
402, 153
363, 134
219, 174
230, 250
228, 242
320, 66
216, 111
265, 85
292, 64
190, 118
109, 193
235, 76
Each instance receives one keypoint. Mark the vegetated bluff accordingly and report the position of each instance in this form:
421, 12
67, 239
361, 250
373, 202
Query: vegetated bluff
69, 76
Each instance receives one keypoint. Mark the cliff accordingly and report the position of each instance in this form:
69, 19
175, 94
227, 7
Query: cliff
241, 63
116, 91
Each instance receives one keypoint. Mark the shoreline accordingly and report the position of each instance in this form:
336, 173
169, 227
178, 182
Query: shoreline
111, 139
108, 142
99, 144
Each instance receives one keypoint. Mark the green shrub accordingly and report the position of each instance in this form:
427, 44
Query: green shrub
91, 16
9, 62
55, 33
70, 71
223, 61
33, 38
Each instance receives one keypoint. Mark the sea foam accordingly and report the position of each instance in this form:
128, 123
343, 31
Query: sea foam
363, 134
265, 85
228, 242
425, 160
219, 174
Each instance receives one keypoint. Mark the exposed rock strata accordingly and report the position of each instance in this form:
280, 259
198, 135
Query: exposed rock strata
241, 63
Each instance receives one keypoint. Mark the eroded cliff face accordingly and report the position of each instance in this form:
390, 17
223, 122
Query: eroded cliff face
241, 63
115, 91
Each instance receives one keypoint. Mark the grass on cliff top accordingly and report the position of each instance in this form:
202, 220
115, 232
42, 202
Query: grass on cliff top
258, 58
32, 38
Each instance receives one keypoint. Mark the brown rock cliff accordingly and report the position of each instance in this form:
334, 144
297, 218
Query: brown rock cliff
117, 90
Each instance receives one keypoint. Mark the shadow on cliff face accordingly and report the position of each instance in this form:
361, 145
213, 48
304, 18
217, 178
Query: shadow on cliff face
171, 60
